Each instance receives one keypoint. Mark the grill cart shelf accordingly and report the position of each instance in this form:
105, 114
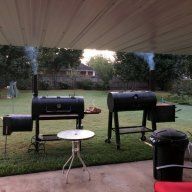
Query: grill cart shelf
133, 129
52, 137
127, 130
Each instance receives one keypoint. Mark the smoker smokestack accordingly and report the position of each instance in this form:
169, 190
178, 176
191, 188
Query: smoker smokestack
31, 53
152, 80
35, 86
149, 58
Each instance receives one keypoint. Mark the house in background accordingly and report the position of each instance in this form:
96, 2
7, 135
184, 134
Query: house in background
70, 76
82, 70
73, 76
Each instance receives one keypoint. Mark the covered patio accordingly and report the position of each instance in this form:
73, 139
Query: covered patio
131, 177
124, 25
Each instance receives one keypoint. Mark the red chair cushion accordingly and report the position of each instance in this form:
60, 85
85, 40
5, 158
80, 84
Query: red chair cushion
161, 186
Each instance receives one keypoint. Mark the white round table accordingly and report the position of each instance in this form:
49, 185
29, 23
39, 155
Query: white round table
75, 136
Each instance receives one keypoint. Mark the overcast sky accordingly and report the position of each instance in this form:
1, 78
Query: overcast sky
88, 53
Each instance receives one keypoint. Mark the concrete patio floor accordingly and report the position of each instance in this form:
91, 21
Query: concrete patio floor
129, 177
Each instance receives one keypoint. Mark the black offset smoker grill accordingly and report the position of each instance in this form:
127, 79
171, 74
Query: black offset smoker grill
53, 108
137, 100
130, 101
44, 108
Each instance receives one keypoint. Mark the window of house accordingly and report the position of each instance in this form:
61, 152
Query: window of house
90, 73
83, 73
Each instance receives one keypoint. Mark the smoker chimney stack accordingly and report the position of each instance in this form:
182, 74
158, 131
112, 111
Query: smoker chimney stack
35, 86
152, 80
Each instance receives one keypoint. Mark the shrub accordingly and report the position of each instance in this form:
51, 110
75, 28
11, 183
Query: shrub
182, 87
182, 92
44, 85
85, 84
24, 84
180, 99
63, 85
99, 86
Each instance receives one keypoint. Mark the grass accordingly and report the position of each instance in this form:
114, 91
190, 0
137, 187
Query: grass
179, 99
94, 151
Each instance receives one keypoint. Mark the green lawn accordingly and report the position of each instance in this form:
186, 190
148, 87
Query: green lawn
94, 151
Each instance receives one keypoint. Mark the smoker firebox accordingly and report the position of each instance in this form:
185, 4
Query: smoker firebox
17, 123
164, 112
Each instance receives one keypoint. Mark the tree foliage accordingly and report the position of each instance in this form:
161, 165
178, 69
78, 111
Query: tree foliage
53, 59
187, 65
13, 64
129, 67
103, 67
168, 69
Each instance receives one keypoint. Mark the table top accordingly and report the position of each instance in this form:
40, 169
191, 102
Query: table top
76, 134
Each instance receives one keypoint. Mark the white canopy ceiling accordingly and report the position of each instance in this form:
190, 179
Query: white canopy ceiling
162, 26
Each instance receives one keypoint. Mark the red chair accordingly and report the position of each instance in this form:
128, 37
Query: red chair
167, 186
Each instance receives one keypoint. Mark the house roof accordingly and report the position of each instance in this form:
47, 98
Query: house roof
162, 26
84, 67
81, 67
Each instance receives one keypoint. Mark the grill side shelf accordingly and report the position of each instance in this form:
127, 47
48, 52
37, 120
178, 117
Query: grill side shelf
90, 113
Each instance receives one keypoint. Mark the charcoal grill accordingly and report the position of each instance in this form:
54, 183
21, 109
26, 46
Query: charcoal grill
57, 105
130, 101
55, 108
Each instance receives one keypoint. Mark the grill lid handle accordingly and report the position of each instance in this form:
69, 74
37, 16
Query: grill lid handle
135, 97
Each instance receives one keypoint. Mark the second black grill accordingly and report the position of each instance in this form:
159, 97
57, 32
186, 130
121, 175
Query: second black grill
55, 108
129, 101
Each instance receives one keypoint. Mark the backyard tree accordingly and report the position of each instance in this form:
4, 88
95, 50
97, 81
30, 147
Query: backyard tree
103, 67
53, 59
129, 67
187, 65
13, 64
168, 69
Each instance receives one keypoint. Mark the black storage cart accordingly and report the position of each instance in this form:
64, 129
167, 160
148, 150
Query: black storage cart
169, 147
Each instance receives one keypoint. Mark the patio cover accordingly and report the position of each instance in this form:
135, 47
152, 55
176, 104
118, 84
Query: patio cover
161, 26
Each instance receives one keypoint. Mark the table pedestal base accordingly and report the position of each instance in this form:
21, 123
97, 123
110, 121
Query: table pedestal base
75, 152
